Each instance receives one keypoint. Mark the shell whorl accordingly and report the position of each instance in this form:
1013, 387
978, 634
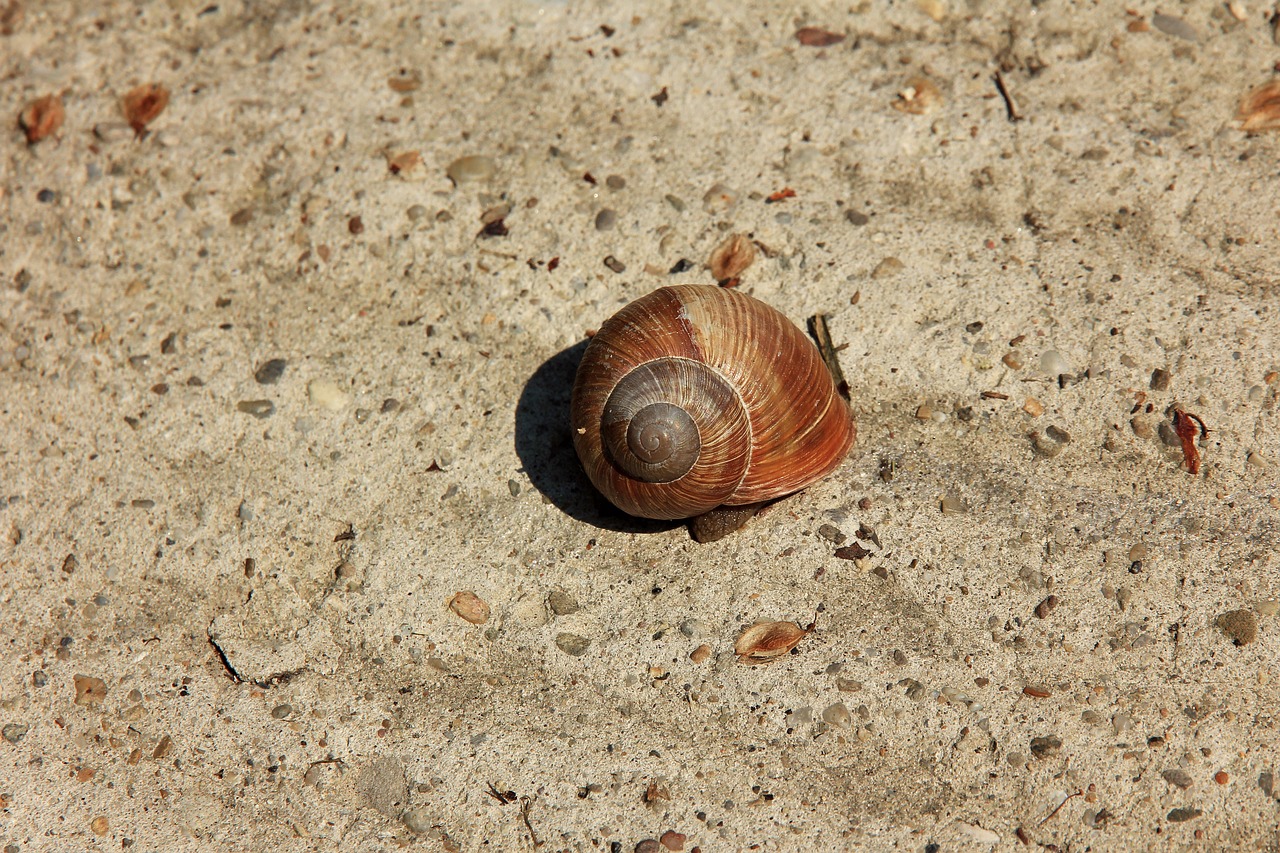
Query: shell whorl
672, 418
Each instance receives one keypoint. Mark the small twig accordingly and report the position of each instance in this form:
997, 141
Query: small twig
1010, 108
818, 328
525, 802
235, 677
1049, 816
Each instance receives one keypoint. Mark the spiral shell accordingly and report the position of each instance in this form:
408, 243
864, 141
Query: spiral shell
694, 397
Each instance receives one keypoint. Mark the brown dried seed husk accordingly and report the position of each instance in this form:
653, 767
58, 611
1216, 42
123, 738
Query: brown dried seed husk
1260, 109
766, 641
470, 607
143, 104
732, 256
818, 37
407, 81
919, 96
42, 117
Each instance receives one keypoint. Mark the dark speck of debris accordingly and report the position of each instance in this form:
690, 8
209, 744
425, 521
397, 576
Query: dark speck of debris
270, 371
832, 534
614, 264
974, 327
355, 225
257, 408
681, 266
1048, 746
46, 196
1183, 815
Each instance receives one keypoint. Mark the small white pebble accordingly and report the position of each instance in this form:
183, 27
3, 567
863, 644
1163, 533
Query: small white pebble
1054, 363
327, 394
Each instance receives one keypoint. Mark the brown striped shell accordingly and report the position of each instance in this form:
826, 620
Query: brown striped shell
695, 396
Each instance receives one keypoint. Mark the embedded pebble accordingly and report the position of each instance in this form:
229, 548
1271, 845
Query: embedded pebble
1048, 746
615, 182
718, 199
1240, 626
1183, 815
14, 732
270, 371
700, 654
282, 711
672, 840
471, 607
1142, 428
418, 820
606, 219
1160, 379
562, 603
1044, 608
1054, 363
572, 644
614, 264
471, 169
90, 691
257, 408
648, 845
1176, 27
832, 534
1268, 607
327, 395
888, 268
1177, 776
953, 504
1045, 446
837, 714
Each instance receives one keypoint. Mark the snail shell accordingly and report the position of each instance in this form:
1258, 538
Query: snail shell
695, 396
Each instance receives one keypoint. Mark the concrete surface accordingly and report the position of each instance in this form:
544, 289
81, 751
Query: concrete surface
225, 603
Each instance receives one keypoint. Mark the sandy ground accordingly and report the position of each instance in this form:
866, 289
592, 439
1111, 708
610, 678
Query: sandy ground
269, 398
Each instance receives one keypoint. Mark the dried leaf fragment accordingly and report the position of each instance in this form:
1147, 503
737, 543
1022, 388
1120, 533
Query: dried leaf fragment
42, 117
818, 37
1260, 109
920, 95
732, 256
470, 607
767, 641
143, 104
